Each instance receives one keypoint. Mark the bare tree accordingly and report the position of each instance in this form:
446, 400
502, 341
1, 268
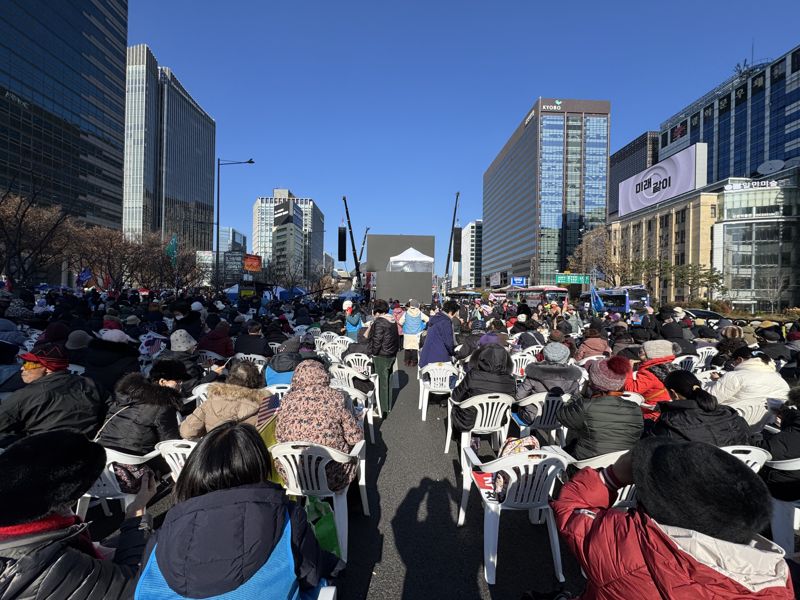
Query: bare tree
113, 259
774, 281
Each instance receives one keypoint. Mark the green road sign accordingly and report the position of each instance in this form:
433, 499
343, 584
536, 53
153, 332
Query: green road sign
570, 278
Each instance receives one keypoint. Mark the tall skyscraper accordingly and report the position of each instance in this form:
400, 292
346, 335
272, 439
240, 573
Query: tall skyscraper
277, 219
169, 156
62, 104
544, 189
467, 273
629, 160
748, 119
232, 240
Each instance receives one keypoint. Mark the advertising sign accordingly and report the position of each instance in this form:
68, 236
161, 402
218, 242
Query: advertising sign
494, 280
675, 175
232, 265
519, 281
252, 263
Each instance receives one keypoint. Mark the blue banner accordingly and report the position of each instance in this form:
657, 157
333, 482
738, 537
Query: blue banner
597, 302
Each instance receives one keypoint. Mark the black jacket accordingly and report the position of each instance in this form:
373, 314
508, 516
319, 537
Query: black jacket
546, 377
195, 371
108, 362
776, 350
253, 344
600, 425
487, 375
783, 485
383, 338
684, 420
192, 323
673, 332
50, 565
142, 415
211, 544
56, 401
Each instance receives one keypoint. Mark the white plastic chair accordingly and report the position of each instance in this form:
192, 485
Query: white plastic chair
327, 593
532, 350
687, 363
626, 496
257, 359
785, 515
336, 348
175, 453
634, 397
319, 344
279, 389
520, 362
199, 393
274, 346
360, 362
328, 336
531, 477
493, 416
364, 400
753, 457
304, 469
207, 355
107, 487
76, 369
705, 355
545, 420
438, 382
589, 359
315, 331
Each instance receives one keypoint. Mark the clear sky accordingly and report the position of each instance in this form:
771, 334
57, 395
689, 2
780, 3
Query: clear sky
398, 105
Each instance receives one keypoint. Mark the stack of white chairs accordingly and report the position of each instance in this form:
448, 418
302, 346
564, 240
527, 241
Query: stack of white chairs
437, 382
328, 336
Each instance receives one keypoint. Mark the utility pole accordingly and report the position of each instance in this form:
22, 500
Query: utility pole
352, 242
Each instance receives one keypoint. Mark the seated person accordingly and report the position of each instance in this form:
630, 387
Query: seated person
594, 344
46, 550
656, 357
552, 375
250, 341
695, 532
784, 445
605, 422
218, 340
489, 372
237, 399
280, 367
232, 532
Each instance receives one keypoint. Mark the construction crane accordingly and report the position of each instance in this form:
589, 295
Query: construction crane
363, 243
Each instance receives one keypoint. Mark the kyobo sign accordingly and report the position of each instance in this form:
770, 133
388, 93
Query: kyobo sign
572, 278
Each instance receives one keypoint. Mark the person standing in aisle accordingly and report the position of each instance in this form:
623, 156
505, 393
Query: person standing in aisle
383, 344
413, 322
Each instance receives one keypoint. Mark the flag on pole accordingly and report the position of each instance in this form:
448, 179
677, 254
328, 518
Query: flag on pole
597, 302
172, 250
84, 276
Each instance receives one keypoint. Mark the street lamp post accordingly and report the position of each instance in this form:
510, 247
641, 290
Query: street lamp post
221, 163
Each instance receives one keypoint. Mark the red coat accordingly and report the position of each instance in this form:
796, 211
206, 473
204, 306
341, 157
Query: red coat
648, 385
627, 555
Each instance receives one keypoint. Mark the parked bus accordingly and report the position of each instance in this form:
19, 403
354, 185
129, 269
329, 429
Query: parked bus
624, 299
537, 294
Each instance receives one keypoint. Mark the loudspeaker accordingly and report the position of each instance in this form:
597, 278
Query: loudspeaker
342, 244
457, 244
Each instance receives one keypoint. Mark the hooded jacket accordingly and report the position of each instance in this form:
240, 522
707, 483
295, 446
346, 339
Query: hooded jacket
211, 544
747, 388
413, 323
487, 375
281, 367
107, 362
685, 420
383, 339
224, 402
629, 555
544, 377
50, 565
601, 424
218, 341
649, 379
141, 415
439, 341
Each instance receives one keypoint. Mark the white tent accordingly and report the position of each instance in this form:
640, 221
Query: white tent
411, 261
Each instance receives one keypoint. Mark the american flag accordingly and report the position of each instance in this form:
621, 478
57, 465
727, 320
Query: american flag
269, 406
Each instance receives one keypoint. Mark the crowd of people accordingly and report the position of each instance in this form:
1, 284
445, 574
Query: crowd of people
122, 372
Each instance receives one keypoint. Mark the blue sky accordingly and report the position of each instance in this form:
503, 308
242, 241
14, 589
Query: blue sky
398, 105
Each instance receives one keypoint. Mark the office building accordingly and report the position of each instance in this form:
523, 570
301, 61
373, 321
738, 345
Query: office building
626, 162
62, 104
467, 272
169, 156
232, 240
270, 224
546, 186
328, 263
747, 120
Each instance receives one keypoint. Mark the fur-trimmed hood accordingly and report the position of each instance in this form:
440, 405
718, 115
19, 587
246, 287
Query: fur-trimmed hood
227, 392
134, 388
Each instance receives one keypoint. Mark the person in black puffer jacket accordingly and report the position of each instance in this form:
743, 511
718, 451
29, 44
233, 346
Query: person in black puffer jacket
553, 375
489, 373
144, 412
383, 342
674, 333
695, 416
110, 358
46, 551
784, 445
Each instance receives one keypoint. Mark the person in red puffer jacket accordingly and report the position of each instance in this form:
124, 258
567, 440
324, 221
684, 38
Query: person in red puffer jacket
694, 535
657, 357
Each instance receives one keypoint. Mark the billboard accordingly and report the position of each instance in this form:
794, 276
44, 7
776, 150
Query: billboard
252, 263
680, 173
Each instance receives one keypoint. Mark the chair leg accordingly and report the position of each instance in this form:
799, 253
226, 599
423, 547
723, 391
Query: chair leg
83, 507
340, 518
555, 548
491, 531
426, 398
449, 431
362, 486
466, 484
106, 509
370, 421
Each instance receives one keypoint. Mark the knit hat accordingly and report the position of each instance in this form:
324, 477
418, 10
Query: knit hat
51, 356
697, 486
657, 349
78, 340
414, 303
171, 370
111, 323
732, 331
770, 335
556, 352
46, 471
182, 341
522, 318
488, 338
557, 336
609, 375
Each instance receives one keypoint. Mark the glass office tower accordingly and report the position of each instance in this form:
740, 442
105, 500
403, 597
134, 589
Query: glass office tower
752, 117
547, 186
62, 104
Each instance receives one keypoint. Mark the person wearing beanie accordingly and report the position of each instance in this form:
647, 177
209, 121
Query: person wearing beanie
45, 549
52, 398
594, 344
183, 348
604, 422
674, 333
144, 409
552, 375
521, 324
694, 534
656, 357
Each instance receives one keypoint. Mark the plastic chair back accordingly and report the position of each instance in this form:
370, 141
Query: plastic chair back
686, 363
753, 457
345, 374
492, 410
360, 362
633, 397
200, 393
279, 389
315, 331
175, 453
274, 346
259, 360
532, 350
207, 355
439, 374
319, 344
598, 462
520, 362
328, 336
548, 405
304, 466
705, 356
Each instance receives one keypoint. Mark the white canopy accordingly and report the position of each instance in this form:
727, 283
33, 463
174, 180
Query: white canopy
411, 261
